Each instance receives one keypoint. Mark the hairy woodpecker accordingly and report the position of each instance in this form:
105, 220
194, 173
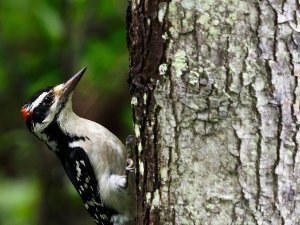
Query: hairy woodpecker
94, 159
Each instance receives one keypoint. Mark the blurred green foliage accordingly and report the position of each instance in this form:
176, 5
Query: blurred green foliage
17, 200
42, 43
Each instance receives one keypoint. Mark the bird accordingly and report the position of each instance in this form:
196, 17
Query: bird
94, 159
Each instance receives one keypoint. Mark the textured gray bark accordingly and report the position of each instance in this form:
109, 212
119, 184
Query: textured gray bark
215, 96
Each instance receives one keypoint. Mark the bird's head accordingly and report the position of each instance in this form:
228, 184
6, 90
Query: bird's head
46, 104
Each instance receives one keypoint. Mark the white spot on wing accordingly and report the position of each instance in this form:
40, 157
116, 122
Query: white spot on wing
92, 202
82, 162
103, 216
76, 144
78, 170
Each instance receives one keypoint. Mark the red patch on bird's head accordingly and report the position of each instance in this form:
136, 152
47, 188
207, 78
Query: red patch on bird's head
25, 112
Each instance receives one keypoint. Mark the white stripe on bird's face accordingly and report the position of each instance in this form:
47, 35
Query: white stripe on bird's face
38, 101
49, 113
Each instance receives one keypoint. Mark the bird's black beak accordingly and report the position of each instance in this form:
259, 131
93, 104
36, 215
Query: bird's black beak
70, 85
64, 90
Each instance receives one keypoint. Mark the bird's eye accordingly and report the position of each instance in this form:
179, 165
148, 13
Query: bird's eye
47, 100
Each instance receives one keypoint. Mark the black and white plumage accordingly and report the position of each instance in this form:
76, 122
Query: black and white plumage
93, 158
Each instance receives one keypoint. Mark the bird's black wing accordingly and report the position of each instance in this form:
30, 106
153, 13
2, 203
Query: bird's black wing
79, 169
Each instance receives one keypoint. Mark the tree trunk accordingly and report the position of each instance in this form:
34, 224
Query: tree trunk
215, 96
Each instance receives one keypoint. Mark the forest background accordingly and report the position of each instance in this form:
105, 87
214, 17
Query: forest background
42, 43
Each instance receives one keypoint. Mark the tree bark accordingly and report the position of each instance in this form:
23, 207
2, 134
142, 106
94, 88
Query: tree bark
215, 97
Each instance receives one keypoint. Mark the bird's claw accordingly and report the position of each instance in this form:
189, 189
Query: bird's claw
130, 165
129, 169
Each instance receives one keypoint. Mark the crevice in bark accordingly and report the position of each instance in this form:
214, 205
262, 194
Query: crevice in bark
228, 79
173, 98
282, 5
169, 175
291, 63
269, 80
258, 25
275, 21
293, 104
297, 4
275, 176
173, 216
292, 69
156, 139
258, 158
258, 144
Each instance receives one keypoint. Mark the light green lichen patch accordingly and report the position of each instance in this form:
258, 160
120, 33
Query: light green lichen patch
164, 174
185, 220
179, 62
187, 22
162, 69
231, 19
194, 77
204, 20
173, 31
209, 206
174, 11
156, 199
259, 84
206, 4
165, 36
188, 4
216, 22
214, 31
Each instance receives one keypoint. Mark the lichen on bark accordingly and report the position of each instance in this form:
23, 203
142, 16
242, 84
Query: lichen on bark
220, 124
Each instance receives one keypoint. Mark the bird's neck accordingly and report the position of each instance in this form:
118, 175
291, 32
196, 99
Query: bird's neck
67, 118
60, 133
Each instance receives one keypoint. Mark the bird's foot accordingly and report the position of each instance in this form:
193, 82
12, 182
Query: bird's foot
129, 169
130, 165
